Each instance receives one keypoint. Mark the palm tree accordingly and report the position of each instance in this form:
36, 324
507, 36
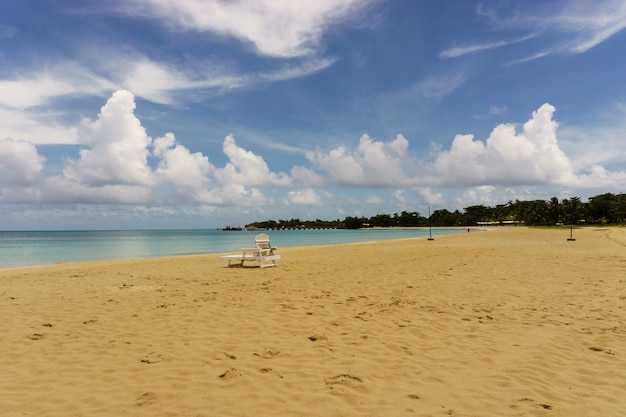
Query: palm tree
553, 207
572, 209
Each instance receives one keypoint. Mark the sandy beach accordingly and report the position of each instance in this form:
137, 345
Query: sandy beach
510, 322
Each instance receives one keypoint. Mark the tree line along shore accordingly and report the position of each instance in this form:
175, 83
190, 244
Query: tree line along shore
605, 208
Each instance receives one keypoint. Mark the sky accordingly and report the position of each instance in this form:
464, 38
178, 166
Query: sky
144, 114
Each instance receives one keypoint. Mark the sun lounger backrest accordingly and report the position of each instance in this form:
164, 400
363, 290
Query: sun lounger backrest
262, 241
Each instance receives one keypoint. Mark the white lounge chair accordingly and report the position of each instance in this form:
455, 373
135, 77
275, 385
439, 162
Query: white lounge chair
263, 252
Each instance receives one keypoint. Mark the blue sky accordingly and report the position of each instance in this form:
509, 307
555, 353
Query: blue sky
202, 114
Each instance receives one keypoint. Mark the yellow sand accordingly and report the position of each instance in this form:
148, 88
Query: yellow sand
512, 322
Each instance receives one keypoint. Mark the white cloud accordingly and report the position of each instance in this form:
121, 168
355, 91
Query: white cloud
178, 165
478, 195
430, 197
118, 147
232, 194
20, 163
608, 134
71, 190
458, 51
305, 197
498, 110
113, 168
24, 100
399, 197
374, 199
246, 168
167, 84
290, 71
39, 88
439, 86
588, 24
163, 83
572, 26
275, 28
531, 157
36, 127
20, 94
343, 167
306, 177
598, 177
372, 164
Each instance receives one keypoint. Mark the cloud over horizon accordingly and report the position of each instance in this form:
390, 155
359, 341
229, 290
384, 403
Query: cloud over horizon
113, 166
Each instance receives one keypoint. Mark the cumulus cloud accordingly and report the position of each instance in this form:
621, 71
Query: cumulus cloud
274, 28
20, 163
478, 195
232, 195
306, 177
178, 165
305, 197
247, 168
118, 147
120, 163
598, 177
372, 164
530, 157
430, 197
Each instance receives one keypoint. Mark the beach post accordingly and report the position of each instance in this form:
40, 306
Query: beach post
571, 231
430, 229
571, 222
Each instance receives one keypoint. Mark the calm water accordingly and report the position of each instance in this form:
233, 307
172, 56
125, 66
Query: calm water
42, 248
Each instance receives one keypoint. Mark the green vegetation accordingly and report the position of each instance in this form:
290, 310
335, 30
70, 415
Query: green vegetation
602, 209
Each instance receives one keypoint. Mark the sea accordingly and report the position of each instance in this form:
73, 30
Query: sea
32, 248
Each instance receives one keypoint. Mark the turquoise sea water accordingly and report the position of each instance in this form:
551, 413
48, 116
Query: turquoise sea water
48, 247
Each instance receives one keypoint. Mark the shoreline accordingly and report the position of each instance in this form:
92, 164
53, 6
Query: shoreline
515, 322
198, 251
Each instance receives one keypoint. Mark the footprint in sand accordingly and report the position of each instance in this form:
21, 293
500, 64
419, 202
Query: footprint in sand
152, 357
148, 398
223, 355
270, 371
230, 374
268, 354
600, 349
344, 379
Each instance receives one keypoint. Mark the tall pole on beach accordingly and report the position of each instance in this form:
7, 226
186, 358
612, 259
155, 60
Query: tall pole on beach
430, 228
571, 223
